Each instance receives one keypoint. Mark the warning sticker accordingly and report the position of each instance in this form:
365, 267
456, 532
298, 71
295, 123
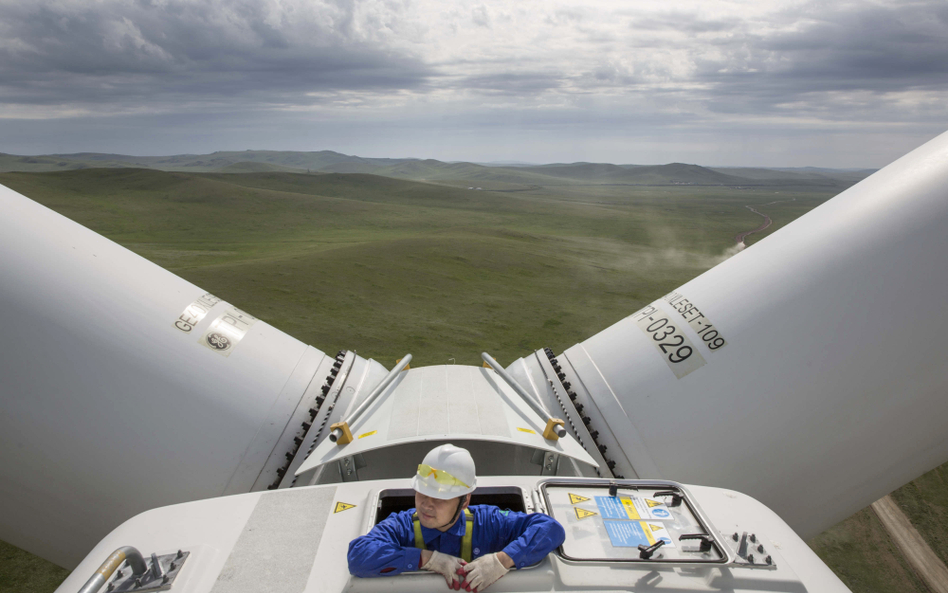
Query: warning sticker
675, 348
531, 431
367, 434
583, 513
632, 534
195, 312
576, 499
343, 506
632, 507
227, 331
659, 532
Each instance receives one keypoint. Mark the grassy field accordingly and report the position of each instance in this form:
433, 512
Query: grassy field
388, 266
925, 502
385, 266
864, 557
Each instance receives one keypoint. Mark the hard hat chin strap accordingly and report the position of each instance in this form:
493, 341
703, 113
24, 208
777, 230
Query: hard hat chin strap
457, 514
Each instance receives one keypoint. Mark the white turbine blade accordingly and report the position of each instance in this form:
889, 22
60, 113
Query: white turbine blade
809, 371
113, 400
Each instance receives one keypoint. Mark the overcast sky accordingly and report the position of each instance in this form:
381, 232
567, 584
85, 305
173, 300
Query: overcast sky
836, 84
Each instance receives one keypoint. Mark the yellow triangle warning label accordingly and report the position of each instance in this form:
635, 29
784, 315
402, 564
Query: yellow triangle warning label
343, 506
583, 513
576, 499
653, 503
656, 527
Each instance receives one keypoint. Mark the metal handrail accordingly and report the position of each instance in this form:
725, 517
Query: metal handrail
135, 562
559, 430
338, 434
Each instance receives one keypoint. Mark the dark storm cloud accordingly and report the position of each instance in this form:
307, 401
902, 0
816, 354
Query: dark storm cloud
869, 49
172, 52
169, 54
160, 74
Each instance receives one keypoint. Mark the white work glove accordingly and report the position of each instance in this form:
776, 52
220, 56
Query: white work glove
447, 566
483, 572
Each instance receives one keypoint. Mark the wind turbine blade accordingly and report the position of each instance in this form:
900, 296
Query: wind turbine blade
808, 371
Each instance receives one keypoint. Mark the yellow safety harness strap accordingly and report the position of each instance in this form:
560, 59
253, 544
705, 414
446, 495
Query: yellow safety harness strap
468, 536
419, 539
465, 541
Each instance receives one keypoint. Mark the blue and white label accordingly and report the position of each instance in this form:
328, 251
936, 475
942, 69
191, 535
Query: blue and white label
659, 513
632, 534
611, 507
627, 534
632, 508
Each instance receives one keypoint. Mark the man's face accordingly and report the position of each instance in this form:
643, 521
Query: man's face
435, 513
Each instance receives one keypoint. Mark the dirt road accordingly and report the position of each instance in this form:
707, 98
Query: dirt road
767, 222
920, 557
739, 238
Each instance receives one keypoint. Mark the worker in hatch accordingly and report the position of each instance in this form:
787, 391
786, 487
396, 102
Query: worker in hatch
471, 547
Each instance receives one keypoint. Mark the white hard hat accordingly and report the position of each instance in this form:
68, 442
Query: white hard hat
447, 472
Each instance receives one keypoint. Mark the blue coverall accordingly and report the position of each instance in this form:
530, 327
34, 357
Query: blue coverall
390, 547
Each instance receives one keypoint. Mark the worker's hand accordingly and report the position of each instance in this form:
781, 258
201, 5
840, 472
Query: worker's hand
447, 566
483, 572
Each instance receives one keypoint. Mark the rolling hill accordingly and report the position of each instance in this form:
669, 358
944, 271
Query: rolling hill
458, 174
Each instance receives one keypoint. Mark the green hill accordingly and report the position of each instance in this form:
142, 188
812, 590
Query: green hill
458, 174
12, 162
255, 167
809, 175
672, 174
